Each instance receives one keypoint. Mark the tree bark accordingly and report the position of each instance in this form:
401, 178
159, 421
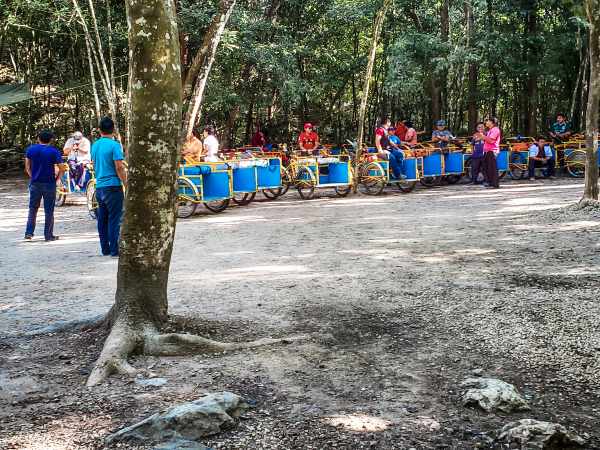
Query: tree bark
197, 76
592, 116
532, 72
377, 27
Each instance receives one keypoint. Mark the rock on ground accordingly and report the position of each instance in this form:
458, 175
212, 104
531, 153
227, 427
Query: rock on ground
533, 434
492, 395
186, 422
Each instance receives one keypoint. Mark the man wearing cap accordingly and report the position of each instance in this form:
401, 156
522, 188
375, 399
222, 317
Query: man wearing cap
441, 136
308, 141
77, 149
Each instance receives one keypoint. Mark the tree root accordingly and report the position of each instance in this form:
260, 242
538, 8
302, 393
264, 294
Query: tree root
124, 340
587, 203
73, 325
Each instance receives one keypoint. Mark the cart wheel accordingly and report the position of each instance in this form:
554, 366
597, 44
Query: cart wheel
272, 194
517, 166
187, 193
244, 199
452, 179
575, 163
217, 206
286, 181
61, 195
343, 191
305, 183
372, 178
91, 200
430, 181
406, 186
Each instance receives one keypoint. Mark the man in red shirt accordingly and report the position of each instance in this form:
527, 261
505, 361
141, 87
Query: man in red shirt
308, 141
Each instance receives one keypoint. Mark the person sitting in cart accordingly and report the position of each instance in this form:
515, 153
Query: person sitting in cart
441, 136
561, 129
412, 137
541, 155
77, 150
308, 141
210, 145
390, 147
192, 148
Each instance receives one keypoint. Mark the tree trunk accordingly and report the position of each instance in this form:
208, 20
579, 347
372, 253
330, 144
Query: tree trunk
445, 36
473, 113
532, 72
592, 117
197, 76
377, 27
149, 222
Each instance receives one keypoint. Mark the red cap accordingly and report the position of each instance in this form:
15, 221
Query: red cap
307, 125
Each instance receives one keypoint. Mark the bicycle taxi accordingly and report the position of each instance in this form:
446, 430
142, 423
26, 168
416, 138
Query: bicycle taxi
67, 186
374, 172
206, 183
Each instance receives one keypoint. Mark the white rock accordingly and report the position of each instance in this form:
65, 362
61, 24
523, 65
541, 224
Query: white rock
491, 394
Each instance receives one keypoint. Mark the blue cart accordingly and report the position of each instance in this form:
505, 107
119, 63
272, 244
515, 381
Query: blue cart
310, 173
205, 183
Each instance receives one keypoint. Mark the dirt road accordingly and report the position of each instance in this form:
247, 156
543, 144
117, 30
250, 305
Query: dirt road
403, 295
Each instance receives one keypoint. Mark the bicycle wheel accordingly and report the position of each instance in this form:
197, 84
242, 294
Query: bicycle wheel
575, 163
305, 183
343, 191
91, 201
372, 178
452, 179
430, 182
517, 167
272, 194
406, 186
187, 193
217, 206
244, 199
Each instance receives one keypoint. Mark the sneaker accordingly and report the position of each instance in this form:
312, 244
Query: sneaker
28, 237
532, 179
52, 239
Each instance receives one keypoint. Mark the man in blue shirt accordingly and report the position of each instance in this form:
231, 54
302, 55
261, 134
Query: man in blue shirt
107, 156
560, 130
541, 155
41, 160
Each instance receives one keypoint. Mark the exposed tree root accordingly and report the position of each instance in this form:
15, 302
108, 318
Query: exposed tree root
73, 325
588, 203
124, 341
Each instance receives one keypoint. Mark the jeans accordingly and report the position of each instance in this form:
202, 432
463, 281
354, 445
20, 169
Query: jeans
549, 163
476, 169
110, 211
37, 192
396, 158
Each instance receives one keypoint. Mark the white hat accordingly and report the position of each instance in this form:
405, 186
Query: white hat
78, 136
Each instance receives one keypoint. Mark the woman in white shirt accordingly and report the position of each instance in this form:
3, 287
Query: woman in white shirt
210, 145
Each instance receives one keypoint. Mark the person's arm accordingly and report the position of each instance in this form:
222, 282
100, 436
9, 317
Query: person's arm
534, 151
121, 172
490, 139
28, 167
317, 141
61, 171
378, 143
435, 137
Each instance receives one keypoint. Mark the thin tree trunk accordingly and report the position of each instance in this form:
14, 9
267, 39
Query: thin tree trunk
377, 27
473, 113
532, 72
197, 77
592, 116
93, 78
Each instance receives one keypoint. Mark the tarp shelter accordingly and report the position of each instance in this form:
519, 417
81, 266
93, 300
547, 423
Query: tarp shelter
14, 93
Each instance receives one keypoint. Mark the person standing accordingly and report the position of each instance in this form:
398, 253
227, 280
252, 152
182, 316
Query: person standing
210, 145
491, 149
478, 154
41, 160
107, 156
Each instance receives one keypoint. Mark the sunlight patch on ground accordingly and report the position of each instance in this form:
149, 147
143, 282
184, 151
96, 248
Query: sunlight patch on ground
475, 251
358, 422
566, 226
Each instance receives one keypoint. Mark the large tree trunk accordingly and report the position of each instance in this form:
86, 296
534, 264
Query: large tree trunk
377, 27
532, 72
592, 116
197, 76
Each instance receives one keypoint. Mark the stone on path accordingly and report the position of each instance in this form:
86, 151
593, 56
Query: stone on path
491, 394
533, 434
186, 422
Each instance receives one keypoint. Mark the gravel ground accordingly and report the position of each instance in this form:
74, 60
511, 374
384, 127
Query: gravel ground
404, 297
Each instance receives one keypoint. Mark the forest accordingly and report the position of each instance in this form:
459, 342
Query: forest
280, 63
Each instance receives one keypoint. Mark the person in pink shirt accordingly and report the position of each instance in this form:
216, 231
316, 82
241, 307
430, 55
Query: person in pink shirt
491, 149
